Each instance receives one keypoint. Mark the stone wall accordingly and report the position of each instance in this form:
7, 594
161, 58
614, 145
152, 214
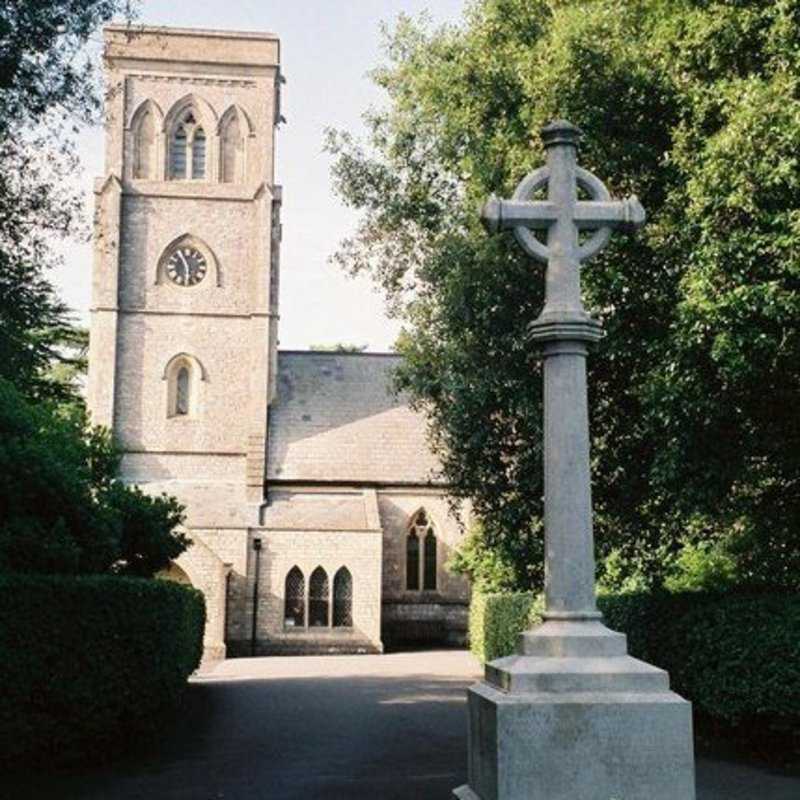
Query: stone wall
422, 617
359, 551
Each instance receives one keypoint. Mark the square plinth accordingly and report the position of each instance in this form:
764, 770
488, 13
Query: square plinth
579, 746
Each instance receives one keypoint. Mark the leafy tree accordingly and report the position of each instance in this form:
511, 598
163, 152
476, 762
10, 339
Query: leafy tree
61, 508
692, 104
48, 88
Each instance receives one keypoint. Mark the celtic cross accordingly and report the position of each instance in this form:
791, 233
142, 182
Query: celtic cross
564, 330
563, 216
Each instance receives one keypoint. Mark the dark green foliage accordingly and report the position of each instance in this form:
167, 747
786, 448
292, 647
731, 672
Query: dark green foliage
89, 664
735, 655
695, 106
48, 88
497, 620
61, 508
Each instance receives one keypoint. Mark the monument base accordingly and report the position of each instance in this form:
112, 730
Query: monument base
575, 718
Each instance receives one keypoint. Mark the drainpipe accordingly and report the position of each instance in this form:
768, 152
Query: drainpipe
257, 573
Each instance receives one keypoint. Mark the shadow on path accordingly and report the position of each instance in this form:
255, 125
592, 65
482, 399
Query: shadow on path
374, 727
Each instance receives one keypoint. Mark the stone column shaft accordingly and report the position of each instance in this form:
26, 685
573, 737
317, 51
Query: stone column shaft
569, 563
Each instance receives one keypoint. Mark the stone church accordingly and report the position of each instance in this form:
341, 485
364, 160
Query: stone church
317, 524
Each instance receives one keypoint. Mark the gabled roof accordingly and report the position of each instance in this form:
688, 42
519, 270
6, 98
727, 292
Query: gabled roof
336, 418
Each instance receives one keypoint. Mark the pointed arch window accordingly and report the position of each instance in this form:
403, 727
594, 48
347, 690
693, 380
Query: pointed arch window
187, 148
232, 150
343, 599
144, 140
183, 375
421, 555
318, 599
295, 599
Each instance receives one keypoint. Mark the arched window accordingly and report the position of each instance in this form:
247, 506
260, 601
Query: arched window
429, 573
198, 154
294, 599
421, 568
318, 599
177, 153
232, 150
144, 140
343, 599
187, 148
412, 561
183, 375
182, 391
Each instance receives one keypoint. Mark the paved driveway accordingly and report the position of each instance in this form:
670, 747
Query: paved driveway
334, 728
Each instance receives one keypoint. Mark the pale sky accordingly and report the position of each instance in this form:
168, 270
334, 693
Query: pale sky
327, 47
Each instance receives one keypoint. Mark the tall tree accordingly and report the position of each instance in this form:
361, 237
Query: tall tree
48, 89
695, 106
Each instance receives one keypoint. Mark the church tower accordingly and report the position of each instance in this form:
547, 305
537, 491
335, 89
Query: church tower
184, 312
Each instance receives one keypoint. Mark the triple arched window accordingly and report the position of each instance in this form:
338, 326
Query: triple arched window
322, 608
189, 143
421, 555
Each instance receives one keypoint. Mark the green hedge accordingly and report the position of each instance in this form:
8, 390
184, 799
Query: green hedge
86, 662
735, 656
496, 620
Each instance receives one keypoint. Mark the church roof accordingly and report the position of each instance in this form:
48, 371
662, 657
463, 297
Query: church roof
336, 418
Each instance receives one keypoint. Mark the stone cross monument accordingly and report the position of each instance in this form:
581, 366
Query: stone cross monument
572, 716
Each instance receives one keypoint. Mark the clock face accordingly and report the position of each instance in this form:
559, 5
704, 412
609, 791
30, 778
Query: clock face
186, 266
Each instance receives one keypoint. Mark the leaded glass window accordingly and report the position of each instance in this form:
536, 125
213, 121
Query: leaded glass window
318, 599
421, 555
343, 599
412, 561
198, 155
429, 577
177, 154
295, 599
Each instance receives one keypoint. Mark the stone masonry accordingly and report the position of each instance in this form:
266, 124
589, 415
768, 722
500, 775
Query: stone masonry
309, 456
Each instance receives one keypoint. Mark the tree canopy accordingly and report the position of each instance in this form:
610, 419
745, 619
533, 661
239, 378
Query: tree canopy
48, 88
694, 105
62, 510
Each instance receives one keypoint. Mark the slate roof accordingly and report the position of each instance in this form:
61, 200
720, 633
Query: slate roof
319, 512
336, 418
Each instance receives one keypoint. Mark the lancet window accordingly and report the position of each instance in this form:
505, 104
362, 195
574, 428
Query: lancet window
144, 145
421, 555
318, 599
295, 599
322, 607
232, 149
187, 148
343, 599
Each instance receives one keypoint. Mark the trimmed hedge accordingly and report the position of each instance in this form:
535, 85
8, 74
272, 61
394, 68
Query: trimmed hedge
735, 656
86, 662
496, 620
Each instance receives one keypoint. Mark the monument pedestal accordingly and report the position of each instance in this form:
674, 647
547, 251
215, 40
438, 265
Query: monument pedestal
573, 717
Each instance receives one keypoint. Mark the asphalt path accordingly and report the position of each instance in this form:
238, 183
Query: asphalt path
332, 728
